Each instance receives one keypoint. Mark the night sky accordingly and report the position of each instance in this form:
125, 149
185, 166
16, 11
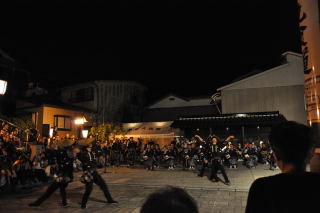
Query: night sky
189, 48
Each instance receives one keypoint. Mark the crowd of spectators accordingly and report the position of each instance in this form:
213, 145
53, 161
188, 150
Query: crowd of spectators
22, 167
15, 163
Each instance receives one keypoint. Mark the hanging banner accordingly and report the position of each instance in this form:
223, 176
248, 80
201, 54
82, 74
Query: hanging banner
310, 45
310, 41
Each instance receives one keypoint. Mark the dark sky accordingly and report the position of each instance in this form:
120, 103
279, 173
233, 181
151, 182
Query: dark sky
185, 47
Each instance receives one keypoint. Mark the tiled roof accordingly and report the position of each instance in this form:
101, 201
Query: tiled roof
236, 119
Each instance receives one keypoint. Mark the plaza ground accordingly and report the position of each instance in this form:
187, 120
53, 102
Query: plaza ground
130, 187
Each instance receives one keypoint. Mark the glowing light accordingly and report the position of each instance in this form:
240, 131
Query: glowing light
85, 133
132, 125
3, 87
241, 115
51, 132
160, 124
80, 121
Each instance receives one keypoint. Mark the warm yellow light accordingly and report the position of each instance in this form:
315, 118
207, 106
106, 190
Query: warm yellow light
3, 87
132, 125
80, 121
85, 133
51, 132
160, 124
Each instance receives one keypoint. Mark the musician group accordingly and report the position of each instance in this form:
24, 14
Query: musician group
212, 153
60, 158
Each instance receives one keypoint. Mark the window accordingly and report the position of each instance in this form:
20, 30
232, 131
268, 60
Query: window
150, 128
158, 128
82, 95
35, 117
62, 122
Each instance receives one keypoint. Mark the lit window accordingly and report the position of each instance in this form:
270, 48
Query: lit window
62, 122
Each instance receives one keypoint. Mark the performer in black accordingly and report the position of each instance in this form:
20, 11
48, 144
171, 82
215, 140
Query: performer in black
64, 173
90, 176
116, 153
213, 153
131, 147
148, 157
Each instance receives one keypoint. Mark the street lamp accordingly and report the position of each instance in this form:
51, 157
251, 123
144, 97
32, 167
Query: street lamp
85, 133
51, 132
79, 122
3, 87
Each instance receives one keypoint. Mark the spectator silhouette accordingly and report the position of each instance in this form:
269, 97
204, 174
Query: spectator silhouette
169, 200
295, 189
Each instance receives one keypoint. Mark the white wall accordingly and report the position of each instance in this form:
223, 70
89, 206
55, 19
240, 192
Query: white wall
289, 101
287, 74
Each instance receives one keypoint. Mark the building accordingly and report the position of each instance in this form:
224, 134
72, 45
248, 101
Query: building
117, 101
172, 107
47, 114
278, 89
160, 132
157, 119
251, 105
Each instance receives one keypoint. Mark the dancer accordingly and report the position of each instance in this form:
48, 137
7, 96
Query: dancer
90, 176
64, 174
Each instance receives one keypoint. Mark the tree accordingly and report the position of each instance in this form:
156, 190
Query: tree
26, 126
104, 131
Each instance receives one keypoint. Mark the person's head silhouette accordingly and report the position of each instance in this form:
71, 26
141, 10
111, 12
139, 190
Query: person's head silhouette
170, 200
292, 144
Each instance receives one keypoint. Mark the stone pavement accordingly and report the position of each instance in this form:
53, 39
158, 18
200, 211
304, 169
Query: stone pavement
131, 186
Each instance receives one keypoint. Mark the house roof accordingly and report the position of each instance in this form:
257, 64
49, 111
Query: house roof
6, 56
235, 119
165, 97
252, 77
71, 85
257, 73
45, 101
